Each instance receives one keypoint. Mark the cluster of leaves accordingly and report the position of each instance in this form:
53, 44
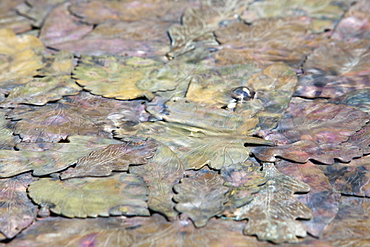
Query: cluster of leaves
114, 135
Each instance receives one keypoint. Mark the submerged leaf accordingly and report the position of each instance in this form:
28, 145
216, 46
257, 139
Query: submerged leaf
322, 199
7, 140
313, 130
20, 58
114, 157
162, 172
273, 212
91, 197
334, 69
46, 158
16, 210
201, 196
82, 114
243, 180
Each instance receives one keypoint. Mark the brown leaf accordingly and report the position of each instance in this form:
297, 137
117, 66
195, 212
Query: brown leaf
265, 41
91, 197
243, 180
45, 158
334, 69
58, 231
114, 157
273, 212
162, 172
352, 178
83, 114
60, 26
350, 228
322, 199
201, 196
354, 25
16, 211
313, 130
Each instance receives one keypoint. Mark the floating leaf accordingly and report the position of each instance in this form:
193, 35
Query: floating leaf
162, 172
20, 58
16, 211
351, 225
273, 212
83, 114
201, 196
46, 158
322, 199
114, 157
243, 180
91, 197
334, 69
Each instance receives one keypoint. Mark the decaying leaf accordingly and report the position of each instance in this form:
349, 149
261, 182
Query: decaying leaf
60, 26
83, 114
265, 41
351, 225
124, 78
194, 148
318, 131
274, 87
324, 13
16, 211
198, 24
352, 178
322, 199
243, 180
114, 157
334, 69
10, 19
59, 231
91, 197
20, 58
7, 140
162, 172
273, 212
200, 196
46, 158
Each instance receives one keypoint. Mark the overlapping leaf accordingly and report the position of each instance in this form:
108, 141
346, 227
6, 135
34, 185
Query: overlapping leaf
316, 131
161, 173
273, 212
114, 157
83, 114
7, 140
265, 41
352, 178
322, 199
16, 211
91, 197
125, 78
46, 158
200, 196
243, 180
9, 18
351, 225
20, 58
334, 69
198, 24
324, 13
